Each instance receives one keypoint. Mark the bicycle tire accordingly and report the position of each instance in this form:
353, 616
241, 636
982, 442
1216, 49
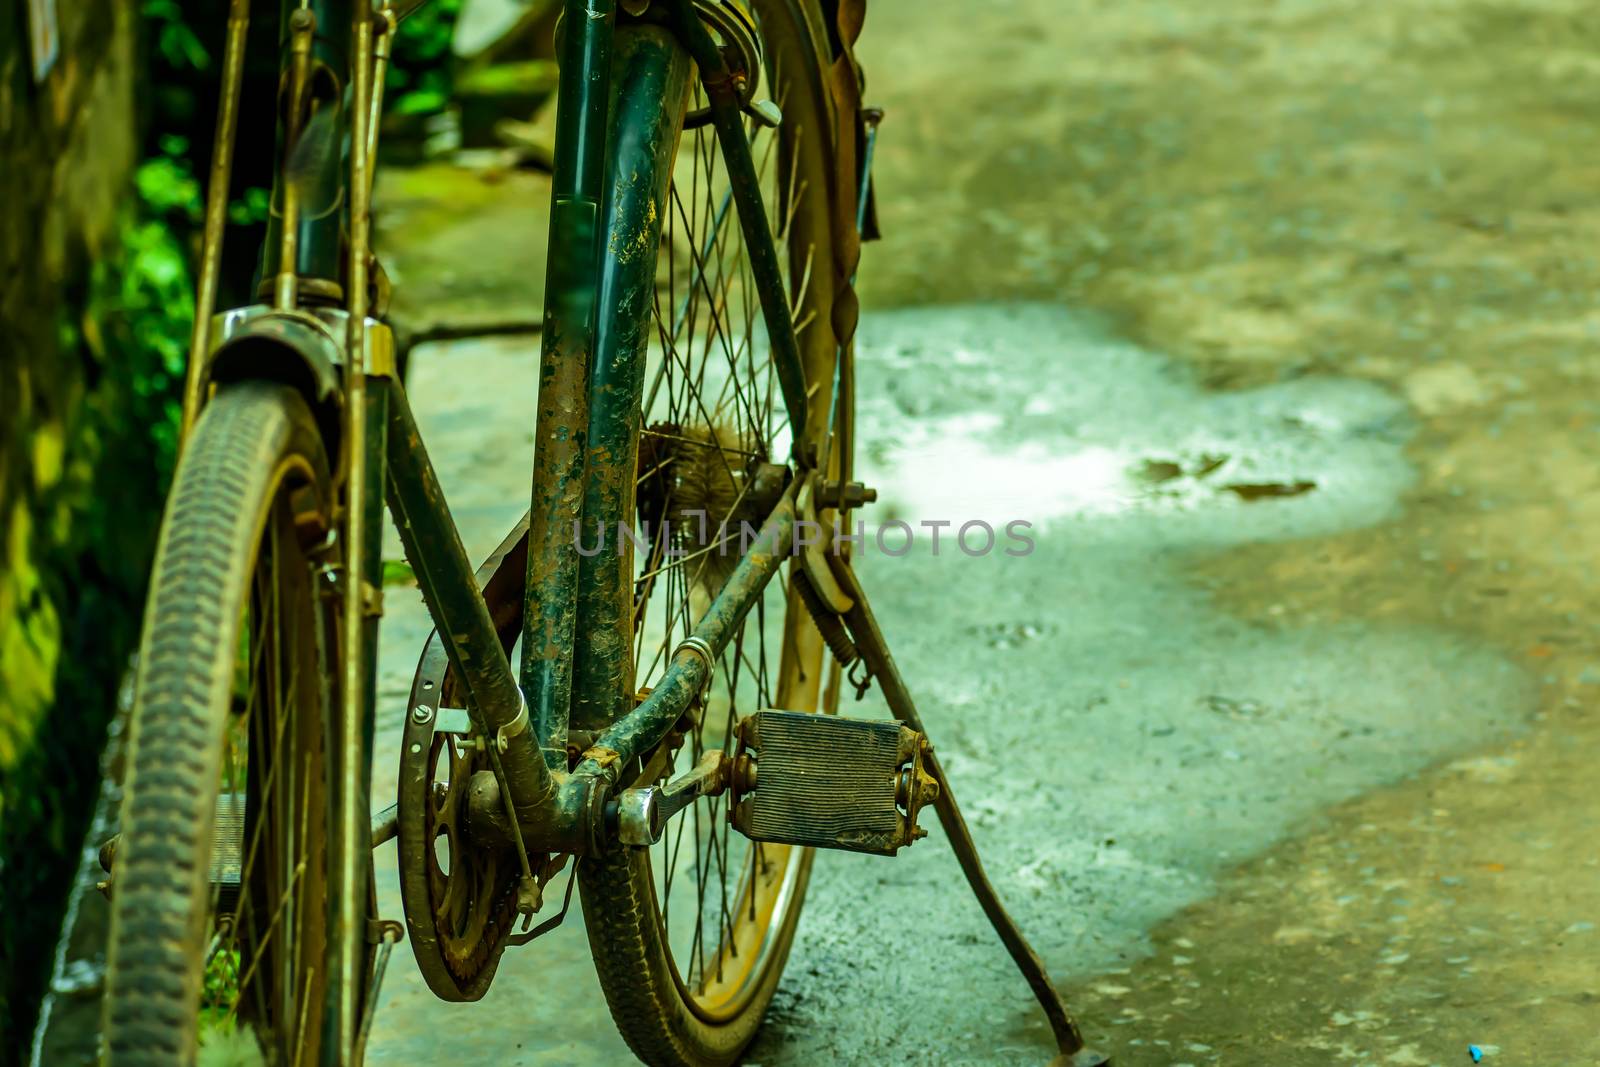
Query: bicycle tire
653, 1003
232, 581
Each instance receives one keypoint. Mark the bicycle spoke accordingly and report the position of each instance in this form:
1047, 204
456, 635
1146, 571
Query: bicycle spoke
710, 413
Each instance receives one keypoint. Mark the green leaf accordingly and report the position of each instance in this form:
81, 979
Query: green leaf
421, 102
167, 185
250, 209
398, 572
181, 48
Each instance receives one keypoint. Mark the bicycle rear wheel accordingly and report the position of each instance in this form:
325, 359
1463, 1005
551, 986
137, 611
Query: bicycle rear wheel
219, 929
690, 936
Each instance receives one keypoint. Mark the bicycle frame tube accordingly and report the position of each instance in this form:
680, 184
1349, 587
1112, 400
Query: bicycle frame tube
450, 588
652, 81
350, 889
728, 117
550, 602
688, 674
644, 131
651, 72
577, 618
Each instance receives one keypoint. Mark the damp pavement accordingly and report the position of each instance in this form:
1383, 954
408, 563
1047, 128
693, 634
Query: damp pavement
1277, 322
1117, 739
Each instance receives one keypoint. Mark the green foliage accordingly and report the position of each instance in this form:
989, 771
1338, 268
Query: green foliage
101, 445
93, 449
177, 61
142, 307
421, 71
250, 209
221, 981
398, 572
172, 37
219, 993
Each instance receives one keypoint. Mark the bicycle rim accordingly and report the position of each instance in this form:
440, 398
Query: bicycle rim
706, 915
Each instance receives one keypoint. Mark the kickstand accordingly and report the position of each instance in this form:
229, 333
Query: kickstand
875, 651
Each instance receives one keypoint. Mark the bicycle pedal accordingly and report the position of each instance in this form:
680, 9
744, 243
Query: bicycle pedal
828, 782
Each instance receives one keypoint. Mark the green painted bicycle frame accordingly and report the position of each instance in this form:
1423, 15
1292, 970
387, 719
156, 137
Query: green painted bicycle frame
622, 95
621, 101
651, 71
549, 621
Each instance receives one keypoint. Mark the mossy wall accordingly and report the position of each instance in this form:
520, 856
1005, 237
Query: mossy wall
99, 230
86, 388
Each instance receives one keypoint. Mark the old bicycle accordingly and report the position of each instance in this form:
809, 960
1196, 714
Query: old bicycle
667, 738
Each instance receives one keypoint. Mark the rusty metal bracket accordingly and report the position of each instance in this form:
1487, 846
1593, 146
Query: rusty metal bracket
386, 934
814, 552
517, 725
741, 50
379, 929
518, 940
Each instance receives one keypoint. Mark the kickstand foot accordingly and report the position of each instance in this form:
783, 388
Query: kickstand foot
874, 650
1084, 1057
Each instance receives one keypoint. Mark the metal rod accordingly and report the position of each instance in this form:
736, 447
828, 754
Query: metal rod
869, 640
406, 8
390, 936
760, 252
385, 824
285, 292
445, 577
354, 818
651, 74
690, 670
871, 118
381, 48
216, 220
567, 346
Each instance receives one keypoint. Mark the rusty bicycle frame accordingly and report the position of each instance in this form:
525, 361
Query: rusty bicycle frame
575, 679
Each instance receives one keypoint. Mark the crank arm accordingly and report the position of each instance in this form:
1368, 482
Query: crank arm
640, 816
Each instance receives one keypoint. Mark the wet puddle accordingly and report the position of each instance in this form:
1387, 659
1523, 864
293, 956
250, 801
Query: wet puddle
1116, 740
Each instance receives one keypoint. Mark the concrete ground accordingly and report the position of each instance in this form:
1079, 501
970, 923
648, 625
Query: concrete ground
1270, 779
1276, 321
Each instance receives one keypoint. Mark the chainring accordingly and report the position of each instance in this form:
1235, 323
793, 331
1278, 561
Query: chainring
460, 901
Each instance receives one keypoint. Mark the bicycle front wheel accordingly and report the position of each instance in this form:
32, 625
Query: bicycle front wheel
219, 928
690, 936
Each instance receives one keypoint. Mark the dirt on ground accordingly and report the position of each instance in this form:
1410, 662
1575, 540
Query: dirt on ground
1406, 192
1291, 781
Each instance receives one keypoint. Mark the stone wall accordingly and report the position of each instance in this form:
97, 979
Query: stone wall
79, 476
